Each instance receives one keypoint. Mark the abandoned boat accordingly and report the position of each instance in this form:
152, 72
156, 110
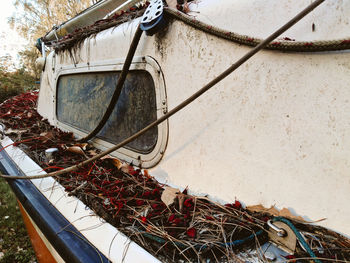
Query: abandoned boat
274, 133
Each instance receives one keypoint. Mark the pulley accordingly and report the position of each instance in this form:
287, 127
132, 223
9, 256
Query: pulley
153, 19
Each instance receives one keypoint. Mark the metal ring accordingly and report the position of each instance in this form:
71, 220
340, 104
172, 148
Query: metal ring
280, 231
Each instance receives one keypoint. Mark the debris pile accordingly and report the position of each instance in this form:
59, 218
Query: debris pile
74, 39
171, 224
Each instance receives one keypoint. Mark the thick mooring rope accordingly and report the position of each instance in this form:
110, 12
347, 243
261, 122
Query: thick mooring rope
281, 45
188, 101
285, 45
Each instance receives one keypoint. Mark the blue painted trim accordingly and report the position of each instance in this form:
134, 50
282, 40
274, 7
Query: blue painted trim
70, 244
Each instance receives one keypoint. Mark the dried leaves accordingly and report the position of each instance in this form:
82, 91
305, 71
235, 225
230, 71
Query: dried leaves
173, 225
284, 212
116, 162
169, 195
73, 39
75, 149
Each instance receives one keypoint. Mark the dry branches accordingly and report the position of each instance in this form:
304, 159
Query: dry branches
186, 228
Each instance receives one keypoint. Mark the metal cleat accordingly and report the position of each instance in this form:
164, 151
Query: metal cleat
283, 236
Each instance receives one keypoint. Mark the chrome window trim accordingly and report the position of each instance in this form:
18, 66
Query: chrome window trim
139, 63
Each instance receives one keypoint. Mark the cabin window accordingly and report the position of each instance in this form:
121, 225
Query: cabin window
83, 98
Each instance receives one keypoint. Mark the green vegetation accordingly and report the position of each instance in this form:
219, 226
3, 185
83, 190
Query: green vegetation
34, 18
13, 83
15, 245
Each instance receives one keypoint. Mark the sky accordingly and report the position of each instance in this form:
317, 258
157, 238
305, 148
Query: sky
11, 42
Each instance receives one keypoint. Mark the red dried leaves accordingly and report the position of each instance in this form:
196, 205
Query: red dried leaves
126, 197
191, 232
188, 203
235, 205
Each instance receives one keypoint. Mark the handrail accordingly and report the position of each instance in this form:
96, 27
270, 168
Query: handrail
89, 16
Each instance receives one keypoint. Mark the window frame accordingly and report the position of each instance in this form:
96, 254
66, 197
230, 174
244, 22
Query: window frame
145, 160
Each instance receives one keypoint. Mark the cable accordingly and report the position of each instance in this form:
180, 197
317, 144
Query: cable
118, 87
179, 107
234, 243
299, 236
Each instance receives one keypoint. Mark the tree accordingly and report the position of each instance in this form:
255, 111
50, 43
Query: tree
36, 17
14, 82
6, 62
28, 57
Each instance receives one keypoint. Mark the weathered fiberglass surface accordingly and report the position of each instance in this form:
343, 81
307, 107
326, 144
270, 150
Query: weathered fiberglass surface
83, 98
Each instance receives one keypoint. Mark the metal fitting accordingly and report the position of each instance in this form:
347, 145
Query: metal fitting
280, 231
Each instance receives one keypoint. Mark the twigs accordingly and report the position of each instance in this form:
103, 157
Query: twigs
130, 199
74, 39
188, 101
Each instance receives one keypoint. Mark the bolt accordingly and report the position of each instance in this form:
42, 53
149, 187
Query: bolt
282, 233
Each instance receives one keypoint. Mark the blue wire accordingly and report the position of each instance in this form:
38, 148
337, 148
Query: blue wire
242, 241
181, 245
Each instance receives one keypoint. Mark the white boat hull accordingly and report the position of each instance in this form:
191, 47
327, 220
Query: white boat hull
275, 132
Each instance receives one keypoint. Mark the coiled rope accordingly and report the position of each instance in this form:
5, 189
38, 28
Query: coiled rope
287, 46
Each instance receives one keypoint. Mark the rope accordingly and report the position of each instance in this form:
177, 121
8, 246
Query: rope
299, 236
281, 45
242, 241
182, 105
286, 45
118, 87
237, 242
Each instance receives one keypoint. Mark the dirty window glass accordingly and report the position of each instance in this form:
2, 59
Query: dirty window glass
82, 100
